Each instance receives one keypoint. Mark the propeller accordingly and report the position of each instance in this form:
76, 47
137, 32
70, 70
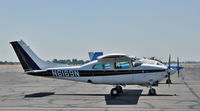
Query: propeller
182, 76
178, 69
168, 81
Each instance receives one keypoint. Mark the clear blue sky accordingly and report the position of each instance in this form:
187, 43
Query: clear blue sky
70, 28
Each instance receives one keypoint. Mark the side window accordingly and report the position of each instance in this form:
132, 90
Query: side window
107, 66
122, 65
98, 66
101, 66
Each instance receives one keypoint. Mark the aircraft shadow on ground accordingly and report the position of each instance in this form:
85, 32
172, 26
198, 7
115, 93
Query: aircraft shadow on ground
129, 97
40, 94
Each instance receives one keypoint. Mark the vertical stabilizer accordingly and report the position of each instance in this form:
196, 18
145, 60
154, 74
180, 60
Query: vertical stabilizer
93, 55
28, 59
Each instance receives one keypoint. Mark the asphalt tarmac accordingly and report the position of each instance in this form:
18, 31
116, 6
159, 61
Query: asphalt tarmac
19, 92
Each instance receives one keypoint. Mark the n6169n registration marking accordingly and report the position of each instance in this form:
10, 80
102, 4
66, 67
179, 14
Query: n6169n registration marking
65, 73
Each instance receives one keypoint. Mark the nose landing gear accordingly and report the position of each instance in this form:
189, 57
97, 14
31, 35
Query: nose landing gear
152, 91
168, 81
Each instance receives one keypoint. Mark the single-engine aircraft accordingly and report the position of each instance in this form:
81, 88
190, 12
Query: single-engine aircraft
113, 69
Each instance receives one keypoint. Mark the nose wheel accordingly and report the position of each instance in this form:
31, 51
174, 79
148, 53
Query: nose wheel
116, 91
168, 81
152, 91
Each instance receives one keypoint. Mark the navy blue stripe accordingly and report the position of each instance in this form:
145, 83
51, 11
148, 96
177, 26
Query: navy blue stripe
84, 73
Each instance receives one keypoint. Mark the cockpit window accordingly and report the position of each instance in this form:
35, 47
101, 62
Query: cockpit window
122, 65
101, 66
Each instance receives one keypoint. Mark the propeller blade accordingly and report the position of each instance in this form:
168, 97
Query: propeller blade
168, 80
168, 71
169, 66
169, 63
178, 66
182, 75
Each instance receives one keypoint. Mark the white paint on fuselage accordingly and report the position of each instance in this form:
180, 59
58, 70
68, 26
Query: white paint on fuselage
126, 79
123, 79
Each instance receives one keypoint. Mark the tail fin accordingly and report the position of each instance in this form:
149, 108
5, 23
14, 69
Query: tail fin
93, 55
28, 59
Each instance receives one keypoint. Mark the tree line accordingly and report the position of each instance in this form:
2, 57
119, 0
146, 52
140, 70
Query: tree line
70, 62
61, 61
9, 63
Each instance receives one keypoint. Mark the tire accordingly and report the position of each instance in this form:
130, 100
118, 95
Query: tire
114, 92
119, 88
152, 91
168, 81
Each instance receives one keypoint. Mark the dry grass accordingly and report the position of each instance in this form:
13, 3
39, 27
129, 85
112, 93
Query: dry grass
16, 65
190, 64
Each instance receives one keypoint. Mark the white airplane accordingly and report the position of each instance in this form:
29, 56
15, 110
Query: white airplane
113, 69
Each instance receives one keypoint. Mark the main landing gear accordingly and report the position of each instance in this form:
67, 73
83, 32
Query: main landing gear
152, 91
116, 91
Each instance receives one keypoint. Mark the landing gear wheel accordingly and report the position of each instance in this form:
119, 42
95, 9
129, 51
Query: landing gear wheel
114, 92
152, 91
119, 88
168, 81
